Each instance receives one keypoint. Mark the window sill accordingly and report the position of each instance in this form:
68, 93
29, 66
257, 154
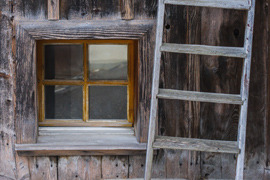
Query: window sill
62, 141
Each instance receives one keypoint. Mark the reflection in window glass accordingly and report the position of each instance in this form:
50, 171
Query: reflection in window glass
63, 102
64, 62
108, 102
108, 62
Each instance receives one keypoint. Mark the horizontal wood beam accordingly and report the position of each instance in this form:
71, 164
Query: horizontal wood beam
53, 10
196, 144
236, 52
225, 4
200, 96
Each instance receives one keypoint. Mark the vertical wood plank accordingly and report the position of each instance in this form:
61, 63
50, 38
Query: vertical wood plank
79, 167
136, 167
193, 84
114, 167
53, 9
7, 133
25, 90
219, 121
127, 9
43, 168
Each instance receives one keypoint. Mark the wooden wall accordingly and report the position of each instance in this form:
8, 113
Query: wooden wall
187, 119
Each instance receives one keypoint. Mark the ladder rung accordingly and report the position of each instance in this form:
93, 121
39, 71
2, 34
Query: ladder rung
226, 4
204, 145
199, 96
204, 50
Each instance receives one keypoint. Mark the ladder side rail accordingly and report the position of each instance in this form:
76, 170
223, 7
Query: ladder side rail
155, 86
241, 139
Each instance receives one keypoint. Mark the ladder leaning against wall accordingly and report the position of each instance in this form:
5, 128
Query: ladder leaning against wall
235, 147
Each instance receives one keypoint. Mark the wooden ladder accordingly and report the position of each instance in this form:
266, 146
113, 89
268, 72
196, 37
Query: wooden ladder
235, 147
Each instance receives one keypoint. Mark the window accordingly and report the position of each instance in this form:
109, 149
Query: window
86, 82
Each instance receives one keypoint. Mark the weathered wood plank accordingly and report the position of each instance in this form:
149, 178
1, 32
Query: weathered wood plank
52, 131
53, 10
8, 169
90, 144
43, 168
79, 167
220, 74
196, 144
69, 150
114, 167
204, 50
136, 166
173, 114
127, 9
199, 96
227, 4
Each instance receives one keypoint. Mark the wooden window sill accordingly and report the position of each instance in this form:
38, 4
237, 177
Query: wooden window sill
61, 141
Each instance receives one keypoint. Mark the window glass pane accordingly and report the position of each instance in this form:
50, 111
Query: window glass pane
63, 102
64, 62
108, 62
108, 102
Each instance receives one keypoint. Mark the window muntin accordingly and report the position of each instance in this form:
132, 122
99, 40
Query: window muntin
79, 86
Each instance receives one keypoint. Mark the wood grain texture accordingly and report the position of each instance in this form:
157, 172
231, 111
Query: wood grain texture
127, 9
196, 144
8, 168
114, 167
82, 144
199, 96
204, 50
53, 10
43, 168
26, 114
235, 4
220, 121
79, 167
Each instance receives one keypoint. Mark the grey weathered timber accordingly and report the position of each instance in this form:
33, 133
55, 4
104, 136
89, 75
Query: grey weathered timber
53, 9
242, 126
236, 52
199, 96
155, 84
196, 144
53, 144
43, 131
242, 99
225, 4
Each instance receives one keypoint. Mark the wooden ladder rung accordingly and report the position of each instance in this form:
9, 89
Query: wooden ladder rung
236, 52
225, 4
165, 142
200, 96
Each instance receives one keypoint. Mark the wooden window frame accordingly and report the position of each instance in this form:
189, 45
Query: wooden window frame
25, 79
132, 45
